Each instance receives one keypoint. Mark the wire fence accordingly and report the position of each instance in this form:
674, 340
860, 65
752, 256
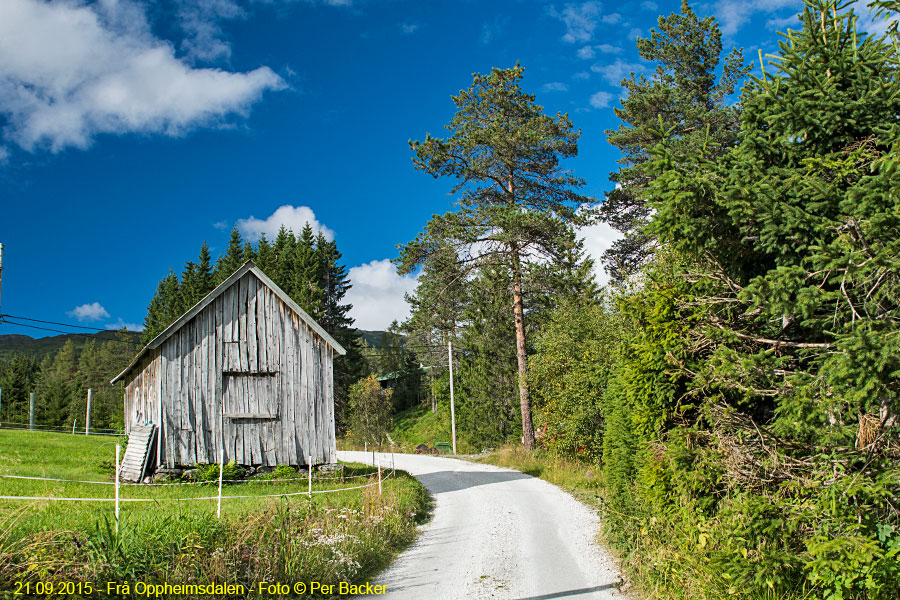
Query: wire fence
61, 428
377, 478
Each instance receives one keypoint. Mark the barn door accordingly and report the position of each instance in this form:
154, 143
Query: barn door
249, 403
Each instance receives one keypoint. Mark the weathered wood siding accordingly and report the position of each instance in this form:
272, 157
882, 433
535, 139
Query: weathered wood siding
247, 355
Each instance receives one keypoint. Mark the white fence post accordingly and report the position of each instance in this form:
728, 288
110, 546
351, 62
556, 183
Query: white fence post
118, 450
379, 479
310, 479
221, 469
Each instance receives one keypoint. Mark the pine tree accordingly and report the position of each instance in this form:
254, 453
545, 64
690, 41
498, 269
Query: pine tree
682, 97
516, 203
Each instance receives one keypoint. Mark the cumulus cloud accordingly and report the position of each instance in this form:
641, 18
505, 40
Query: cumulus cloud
608, 49
598, 238
121, 324
555, 86
616, 71
377, 294
586, 52
89, 312
601, 99
580, 20
293, 218
105, 72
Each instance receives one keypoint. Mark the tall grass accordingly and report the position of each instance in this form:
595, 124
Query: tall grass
342, 536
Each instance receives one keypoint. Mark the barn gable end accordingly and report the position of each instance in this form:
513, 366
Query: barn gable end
245, 371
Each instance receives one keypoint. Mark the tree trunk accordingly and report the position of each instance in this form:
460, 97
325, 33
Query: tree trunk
519, 313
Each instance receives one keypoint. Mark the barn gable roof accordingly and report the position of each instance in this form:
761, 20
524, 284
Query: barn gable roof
247, 267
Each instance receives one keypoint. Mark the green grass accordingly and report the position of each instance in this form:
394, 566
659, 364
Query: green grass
582, 480
418, 425
342, 536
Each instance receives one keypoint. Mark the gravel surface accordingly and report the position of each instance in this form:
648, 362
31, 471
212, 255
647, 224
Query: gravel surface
496, 533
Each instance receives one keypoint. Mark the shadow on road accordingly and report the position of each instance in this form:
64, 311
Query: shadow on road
569, 593
441, 482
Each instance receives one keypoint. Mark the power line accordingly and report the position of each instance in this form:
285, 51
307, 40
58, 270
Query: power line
92, 335
54, 323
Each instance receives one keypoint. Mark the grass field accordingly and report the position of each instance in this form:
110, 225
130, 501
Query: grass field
333, 537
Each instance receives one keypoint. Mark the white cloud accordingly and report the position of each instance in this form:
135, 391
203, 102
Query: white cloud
601, 99
616, 71
71, 71
377, 294
608, 49
612, 18
648, 5
121, 324
4, 154
782, 23
581, 75
199, 19
292, 217
408, 28
555, 86
586, 52
733, 14
597, 238
580, 20
89, 312
634, 33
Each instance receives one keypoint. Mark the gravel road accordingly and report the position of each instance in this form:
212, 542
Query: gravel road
496, 533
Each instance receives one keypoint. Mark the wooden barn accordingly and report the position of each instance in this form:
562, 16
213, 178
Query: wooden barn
245, 369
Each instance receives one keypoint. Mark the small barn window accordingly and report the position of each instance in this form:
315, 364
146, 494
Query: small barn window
250, 395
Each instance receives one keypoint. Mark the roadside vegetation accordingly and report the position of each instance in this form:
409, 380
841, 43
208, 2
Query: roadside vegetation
341, 536
731, 401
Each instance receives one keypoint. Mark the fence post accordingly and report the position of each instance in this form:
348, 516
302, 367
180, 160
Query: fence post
379, 479
118, 449
310, 479
73, 426
31, 414
87, 416
221, 469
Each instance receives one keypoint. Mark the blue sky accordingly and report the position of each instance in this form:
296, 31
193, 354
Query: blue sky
133, 131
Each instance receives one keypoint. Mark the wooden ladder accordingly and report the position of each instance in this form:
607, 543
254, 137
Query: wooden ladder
138, 452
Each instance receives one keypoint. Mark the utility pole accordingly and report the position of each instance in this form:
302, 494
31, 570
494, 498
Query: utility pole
452, 407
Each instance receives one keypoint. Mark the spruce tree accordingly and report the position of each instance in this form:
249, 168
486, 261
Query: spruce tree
683, 97
233, 258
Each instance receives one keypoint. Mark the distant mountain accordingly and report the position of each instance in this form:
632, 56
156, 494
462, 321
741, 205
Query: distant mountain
12, 343
373, 338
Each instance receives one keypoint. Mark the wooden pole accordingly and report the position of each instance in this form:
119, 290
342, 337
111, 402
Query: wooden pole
31, 413
73, 426
221, 470
118, 450
310, 479
379, 479
452, 406
87, 415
